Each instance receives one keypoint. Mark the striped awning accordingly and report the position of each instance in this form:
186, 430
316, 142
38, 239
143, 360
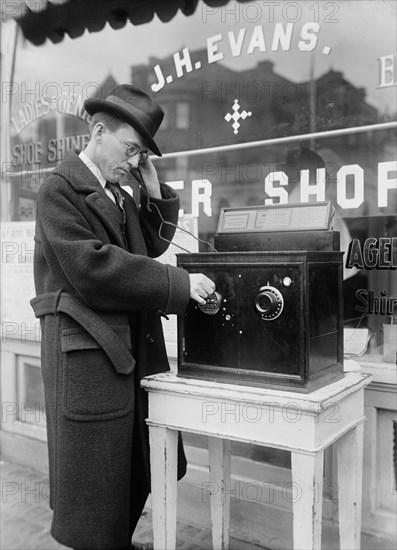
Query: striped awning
12, 9
53, 19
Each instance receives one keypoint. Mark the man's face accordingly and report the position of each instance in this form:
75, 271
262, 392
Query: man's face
120, 152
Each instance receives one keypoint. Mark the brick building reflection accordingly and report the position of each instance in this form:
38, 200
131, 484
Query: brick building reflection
195, 106
280, 106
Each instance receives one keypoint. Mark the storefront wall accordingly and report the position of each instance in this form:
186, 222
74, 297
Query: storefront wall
312, 87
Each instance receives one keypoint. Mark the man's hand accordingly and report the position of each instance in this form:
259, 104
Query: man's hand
146, 174
200, 287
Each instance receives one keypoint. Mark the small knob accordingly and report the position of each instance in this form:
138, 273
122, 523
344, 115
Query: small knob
269, 303
212, 304
266, 302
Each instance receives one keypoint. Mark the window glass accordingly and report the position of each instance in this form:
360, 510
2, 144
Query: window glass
283, 102
31, 408
395, 455
182, 115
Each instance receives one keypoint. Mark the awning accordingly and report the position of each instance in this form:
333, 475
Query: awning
52, 19
12, 9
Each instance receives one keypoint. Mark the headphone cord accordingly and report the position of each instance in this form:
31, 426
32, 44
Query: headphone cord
165, 222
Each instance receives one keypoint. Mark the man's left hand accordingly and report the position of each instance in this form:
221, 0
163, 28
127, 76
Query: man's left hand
146, 174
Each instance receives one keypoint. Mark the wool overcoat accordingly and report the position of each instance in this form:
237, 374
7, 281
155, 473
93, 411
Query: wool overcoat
100, 296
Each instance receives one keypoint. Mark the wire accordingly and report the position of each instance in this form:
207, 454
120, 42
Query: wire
355, 319
165, 222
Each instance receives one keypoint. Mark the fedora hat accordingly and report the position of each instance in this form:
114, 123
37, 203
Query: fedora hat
135, 107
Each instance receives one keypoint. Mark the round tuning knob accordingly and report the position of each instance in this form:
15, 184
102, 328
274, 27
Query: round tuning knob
212, 304
269, 303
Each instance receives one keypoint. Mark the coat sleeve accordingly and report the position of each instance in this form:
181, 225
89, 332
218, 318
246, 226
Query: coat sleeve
158, 218
104, 276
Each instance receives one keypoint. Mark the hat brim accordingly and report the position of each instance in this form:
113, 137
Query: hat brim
94, 105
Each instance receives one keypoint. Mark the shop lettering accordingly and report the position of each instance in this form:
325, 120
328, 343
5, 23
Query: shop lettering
70, 104
387, 68
239, 43
370, 303
27, 153
32, 152
349, 177
58, 147
275, 184
374, 253
201, 194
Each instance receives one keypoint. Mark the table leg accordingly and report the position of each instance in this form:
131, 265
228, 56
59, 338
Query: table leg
163, 465
307, 499
349, 449
220, 491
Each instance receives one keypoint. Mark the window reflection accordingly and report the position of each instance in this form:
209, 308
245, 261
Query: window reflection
209, 61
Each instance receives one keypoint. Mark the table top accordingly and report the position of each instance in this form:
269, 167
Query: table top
320, 399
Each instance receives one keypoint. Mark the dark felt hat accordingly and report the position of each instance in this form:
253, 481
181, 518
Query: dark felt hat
135, 107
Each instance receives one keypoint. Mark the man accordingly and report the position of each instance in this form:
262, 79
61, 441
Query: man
100, 297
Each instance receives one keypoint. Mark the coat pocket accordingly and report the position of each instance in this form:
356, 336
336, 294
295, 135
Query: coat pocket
92, 389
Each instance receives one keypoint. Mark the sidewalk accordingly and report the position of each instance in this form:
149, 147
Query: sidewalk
26, 517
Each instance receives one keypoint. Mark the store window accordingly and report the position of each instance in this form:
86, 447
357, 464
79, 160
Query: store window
284, 102
395, 456
182, 115
30, 391
166, 124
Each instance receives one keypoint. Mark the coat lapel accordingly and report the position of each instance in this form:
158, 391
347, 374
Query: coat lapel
135, 240
104, 208
73, 169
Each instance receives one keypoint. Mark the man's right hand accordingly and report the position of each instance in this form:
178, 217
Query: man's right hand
200, 287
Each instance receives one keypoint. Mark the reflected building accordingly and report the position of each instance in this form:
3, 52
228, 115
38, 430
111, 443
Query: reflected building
280, 107
195, 106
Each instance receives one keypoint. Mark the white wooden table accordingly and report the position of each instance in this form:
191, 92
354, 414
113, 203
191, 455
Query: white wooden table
304, 424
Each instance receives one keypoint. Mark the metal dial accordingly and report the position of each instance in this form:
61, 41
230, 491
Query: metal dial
212, 304
269, 303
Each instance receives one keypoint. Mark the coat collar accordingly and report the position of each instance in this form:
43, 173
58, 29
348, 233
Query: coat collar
82, 180
77, 174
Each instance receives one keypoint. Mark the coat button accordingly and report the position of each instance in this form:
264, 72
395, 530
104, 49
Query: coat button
149, 339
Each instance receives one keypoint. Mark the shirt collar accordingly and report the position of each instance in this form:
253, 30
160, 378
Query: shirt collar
93, 167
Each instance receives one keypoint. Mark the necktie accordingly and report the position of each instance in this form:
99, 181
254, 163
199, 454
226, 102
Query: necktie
114, 188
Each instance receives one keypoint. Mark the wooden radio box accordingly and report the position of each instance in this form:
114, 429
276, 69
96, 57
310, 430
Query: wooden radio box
275, 319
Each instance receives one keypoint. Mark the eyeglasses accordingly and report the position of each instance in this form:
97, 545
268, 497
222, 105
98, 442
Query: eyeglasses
132, 150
